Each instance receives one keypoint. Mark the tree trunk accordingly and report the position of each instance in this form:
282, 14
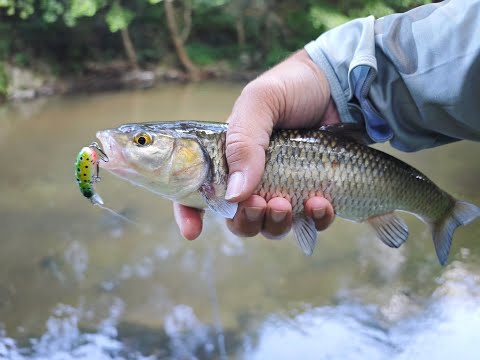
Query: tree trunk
129, 49
177, 41
241, 37
187, 20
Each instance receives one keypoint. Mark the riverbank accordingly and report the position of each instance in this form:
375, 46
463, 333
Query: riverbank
24, 84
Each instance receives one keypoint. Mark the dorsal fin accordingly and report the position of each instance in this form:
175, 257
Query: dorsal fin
353, 132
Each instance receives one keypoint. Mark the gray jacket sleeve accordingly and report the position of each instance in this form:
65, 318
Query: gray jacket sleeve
413, 79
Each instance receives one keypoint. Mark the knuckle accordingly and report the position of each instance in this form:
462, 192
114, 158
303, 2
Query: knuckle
256, 89
238, 149
267, 86
267, 93
242, 229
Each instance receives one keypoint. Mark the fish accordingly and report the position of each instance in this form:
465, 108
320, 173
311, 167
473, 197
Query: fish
184, 161
86, 171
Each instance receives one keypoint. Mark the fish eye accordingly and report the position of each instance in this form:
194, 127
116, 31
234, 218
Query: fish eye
142, 139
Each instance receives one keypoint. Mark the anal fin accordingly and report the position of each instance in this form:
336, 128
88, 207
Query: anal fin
306, 234
391, 229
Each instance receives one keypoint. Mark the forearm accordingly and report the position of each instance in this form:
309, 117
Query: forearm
413, 78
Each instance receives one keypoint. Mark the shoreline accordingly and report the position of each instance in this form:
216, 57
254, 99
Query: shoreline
27, 84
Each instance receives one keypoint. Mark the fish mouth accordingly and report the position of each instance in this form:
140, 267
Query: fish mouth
111, 149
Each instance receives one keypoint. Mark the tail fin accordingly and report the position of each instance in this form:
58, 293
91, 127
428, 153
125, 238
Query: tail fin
462, 214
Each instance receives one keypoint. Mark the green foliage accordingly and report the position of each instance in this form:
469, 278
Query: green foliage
21, 59
3, 81
326, 18
379, 8
201, 54
301, 29
71, 34
118, 17
81, 8
275, 55
210, 3
52, 10
22, 8
5, 42
403, 5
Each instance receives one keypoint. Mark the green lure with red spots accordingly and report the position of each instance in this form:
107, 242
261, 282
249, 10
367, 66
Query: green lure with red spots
86, 171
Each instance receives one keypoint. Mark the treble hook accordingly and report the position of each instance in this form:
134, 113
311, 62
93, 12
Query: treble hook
101, 153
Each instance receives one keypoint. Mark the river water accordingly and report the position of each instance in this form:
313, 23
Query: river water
78, 283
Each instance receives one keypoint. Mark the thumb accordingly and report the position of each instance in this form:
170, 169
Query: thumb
250, 125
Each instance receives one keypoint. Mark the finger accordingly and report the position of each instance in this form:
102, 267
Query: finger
189, 221
278, 218
321, 211
248, 220
249, 128
293, 94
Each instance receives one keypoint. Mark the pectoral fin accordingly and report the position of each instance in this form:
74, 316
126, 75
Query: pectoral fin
218, 204
306, 234
391, 229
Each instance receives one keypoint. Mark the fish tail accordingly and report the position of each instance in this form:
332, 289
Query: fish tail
461, 214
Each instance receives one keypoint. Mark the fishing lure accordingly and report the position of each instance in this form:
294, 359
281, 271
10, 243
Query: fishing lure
87, 169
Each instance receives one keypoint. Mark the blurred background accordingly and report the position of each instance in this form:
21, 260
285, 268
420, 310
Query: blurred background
79, 283
64, 46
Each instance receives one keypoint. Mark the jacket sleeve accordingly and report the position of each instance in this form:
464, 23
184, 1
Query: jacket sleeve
413, 79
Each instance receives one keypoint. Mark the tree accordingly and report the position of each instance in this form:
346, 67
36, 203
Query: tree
179, 37
119, 18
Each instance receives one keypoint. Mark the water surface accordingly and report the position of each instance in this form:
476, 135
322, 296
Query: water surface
78, 283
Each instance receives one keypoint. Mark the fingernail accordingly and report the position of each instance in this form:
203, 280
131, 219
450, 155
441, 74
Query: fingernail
235, 185
278, 216
318, 213
254, 213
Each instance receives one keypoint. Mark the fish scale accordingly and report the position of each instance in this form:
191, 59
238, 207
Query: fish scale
318, 163
362, 183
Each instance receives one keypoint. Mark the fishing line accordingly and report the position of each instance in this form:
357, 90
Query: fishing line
123, 217
98, 201
210, 275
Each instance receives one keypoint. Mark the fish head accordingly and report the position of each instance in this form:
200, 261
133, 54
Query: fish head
162, 160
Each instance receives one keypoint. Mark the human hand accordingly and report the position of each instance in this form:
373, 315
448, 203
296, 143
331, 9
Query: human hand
293, 94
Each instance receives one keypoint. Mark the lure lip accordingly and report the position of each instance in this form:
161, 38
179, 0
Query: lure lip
95, 199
